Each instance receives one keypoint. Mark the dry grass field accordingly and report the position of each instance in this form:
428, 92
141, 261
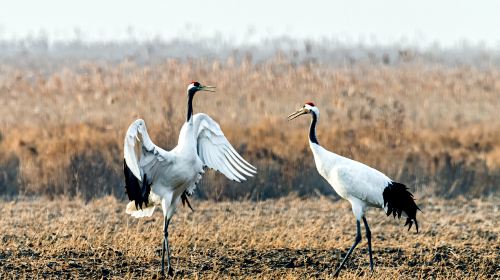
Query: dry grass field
432, 126
289, 238
428, 121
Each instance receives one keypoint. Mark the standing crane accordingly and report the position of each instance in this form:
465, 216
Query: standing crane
156, 177
359, 184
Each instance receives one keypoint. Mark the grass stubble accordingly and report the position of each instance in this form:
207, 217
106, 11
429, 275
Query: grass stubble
288, 238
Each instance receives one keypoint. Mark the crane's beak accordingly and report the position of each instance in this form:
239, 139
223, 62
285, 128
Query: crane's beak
301, 111
207, 88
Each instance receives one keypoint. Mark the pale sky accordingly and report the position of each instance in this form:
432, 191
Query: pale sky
423, 22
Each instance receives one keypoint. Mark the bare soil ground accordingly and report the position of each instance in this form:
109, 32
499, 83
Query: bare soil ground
289, 238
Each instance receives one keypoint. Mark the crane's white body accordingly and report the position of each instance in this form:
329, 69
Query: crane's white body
354, 181
170, 173
359, 184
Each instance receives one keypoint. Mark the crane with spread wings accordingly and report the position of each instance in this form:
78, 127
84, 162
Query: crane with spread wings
156, 177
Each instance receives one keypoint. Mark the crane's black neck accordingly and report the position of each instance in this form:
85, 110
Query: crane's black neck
190, 106
312, 129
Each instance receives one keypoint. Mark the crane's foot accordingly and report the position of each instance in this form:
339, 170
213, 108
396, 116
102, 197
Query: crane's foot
170, 272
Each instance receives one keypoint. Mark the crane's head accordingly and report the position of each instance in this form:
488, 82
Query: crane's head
194, 87
308, 108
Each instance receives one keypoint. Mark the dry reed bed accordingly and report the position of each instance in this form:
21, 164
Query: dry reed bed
433, 127
289, 238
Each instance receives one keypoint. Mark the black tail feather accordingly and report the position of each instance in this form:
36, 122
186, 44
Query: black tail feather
139, 194
398, 199
184, 199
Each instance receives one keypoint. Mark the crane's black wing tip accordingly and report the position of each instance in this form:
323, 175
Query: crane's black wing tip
135, 192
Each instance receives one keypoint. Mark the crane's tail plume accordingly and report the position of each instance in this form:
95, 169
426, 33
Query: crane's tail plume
398, 200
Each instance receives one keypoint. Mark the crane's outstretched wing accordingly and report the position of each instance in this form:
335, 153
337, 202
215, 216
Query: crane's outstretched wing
216, 152
141, 168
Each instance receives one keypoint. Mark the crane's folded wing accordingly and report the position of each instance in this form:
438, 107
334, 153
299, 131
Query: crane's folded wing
364, 182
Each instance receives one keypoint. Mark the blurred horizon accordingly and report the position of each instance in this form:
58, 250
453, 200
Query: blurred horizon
426, 24
42, 54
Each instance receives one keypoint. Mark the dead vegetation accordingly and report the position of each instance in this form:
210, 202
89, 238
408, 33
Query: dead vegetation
289, 238
434, 127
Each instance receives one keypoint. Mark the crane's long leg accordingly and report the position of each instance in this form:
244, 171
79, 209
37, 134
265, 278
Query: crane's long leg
166, 247
369, 238
356, 241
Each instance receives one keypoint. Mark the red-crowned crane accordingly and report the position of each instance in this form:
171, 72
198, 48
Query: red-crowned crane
360, 184
155, 177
